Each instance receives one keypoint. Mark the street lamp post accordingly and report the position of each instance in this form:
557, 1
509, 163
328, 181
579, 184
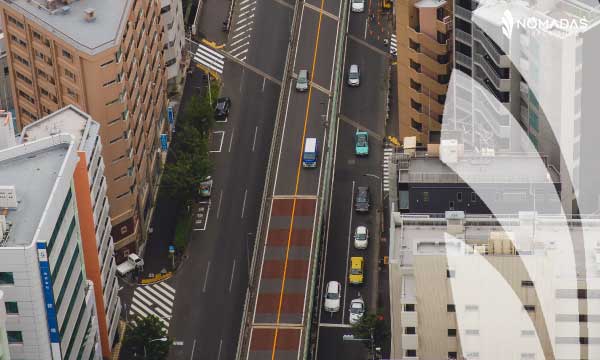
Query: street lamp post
162, 339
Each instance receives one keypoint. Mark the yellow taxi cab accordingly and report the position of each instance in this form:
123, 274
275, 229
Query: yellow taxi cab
356, 276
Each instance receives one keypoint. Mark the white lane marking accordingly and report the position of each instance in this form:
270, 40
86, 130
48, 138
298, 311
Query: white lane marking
206, 219
366, 27
164, 292
231, 140
234, 50
136, 295
163, 314
241, 53
134, 309
157, 302
335, 325
244, 1
243, 8
222, 133
246, 24
240, 34
244, 203
193, 349
167, 287
219, 206
243, 59
348, 252
220, 345
232, 275
241, 21
238, 40
206, 277
263, 84
254, 141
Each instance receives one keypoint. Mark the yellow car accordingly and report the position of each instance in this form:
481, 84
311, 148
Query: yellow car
356, 276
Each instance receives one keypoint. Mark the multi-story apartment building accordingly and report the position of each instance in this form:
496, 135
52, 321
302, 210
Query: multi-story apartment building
106, 58
4, 353
510, 287
6, 99
174, 41
51, 311
93, 209
424, 40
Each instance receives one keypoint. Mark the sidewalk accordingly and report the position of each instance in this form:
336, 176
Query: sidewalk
156, 256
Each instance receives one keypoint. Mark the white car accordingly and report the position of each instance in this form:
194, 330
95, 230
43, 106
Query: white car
358, 6
353, 75
357, 310
332, 296
361, 237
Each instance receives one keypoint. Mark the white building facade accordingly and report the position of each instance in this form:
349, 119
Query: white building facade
41, 262
172, 15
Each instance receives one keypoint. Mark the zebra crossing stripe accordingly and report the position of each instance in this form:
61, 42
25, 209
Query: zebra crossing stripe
393, 45
155, 300
163, 314
168, 288
209, 58
157, 294
136, 296
135, 309
146, 310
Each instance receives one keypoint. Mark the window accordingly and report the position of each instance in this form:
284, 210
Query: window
411, 353
165, 9
425, 196
14, 337
581, 293
583, 318
70, 74
67, 54
450, 273
6, 278
527, 283
529, 307
107, 63
471, 307
18, 41
451, 205
583, 340
14, 21
114, 101
409, 307
11, 307
459, 196
527, 356
37, 35
452, 355
450, 308
410, 330
473, 197
26, 96
415, 105
451, 332
527, 332
416, 125
472, 332
72, 93
24, 78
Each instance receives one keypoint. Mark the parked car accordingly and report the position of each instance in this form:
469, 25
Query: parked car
362, 199
361, 237
356, 310
222, 107
302, 81
205, 187
332, 296
356, 276
358, 6
353, 75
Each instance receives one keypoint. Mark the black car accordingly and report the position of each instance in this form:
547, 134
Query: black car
362, 199
222, 108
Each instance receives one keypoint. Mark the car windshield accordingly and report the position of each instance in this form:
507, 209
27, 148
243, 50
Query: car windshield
355, 271
356, 308
310, 156
332, 296
361, 236
353, 75
362, 196
357, 1
361, 140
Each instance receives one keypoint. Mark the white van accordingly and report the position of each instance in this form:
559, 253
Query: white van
311, 153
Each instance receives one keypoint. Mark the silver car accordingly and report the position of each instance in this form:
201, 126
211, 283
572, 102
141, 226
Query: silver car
302, 82
354, 75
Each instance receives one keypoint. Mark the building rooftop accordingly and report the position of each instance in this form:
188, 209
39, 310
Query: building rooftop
422, 168
68, 22
68, 120
34, 170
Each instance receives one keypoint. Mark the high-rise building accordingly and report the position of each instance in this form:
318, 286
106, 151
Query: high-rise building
6, 99
4, 353
424, 40
92, 207
174, 41
106, 58
51, 306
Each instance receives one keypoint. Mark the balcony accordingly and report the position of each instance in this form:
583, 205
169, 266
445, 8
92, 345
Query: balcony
409, 318
426, 41
410, 341
463, 36
463, 13
444, 25
490, 48
463, 59
433, 85
502, 84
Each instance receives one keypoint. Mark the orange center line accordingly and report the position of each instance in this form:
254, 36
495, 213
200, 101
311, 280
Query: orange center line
287, 250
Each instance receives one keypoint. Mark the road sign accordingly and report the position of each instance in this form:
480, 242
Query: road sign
163, 142
170, 115
171, 249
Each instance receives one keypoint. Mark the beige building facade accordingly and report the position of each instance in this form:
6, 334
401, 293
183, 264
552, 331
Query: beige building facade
106, 58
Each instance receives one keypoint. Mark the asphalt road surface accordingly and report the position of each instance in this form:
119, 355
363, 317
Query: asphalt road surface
212, 283
362, 107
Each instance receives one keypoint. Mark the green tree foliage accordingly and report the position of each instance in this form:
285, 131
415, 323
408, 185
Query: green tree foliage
376, 324
138, 338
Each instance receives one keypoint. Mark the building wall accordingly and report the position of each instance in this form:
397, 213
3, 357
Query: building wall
425, 57
4, 352
174, 39
123, 88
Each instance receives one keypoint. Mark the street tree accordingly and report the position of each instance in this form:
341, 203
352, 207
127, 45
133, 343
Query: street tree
371, 323
147, 339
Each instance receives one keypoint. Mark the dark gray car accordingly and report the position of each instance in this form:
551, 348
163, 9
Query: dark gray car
362, 199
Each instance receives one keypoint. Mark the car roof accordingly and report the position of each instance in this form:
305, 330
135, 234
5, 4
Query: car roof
302, 73
353, 67
363, 188
361, 228
333, 286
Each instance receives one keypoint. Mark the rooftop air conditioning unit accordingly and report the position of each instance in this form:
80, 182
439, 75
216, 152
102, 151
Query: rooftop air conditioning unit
89, 14
8, 197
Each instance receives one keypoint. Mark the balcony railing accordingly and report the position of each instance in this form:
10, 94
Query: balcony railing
463, 13
463, 36
426, 41
491, 48
500, 83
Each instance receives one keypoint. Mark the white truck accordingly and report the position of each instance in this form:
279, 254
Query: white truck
133, 262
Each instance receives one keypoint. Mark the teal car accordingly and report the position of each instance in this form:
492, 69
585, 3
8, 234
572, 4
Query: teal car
361, 143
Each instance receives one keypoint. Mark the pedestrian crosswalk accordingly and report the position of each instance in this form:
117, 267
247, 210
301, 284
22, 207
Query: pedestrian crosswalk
393, 45
239, 40
387, 158
209, 58
155, 299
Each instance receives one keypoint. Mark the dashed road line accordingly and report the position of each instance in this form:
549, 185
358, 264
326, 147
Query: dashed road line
387, 157
242, 29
